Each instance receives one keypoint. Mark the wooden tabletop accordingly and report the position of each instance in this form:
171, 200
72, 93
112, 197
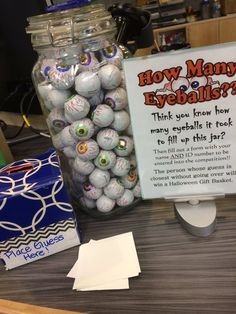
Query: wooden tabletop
180, 273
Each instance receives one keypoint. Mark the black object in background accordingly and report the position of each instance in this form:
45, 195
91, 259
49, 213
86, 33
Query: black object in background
16, 54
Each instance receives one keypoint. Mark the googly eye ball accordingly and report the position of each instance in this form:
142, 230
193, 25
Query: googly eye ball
87, 62
113, 55
46, 66
87, 84
62, 76
114, 189
67, 138
107, 138
102, 116
91, 191
137, 190
130, 179
82, 129
69, 152
83, 167
126, 199
97, 99
109, 76
181, 83
76, 108
88, 203
105, 160
87, 150
197, 82
105, 204
122, 167
99, 178
124, 147
117, 99
121, 120
56, 120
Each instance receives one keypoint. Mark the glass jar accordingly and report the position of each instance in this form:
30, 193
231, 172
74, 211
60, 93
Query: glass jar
80, 85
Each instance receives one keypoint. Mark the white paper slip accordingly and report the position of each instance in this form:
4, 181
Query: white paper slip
106, 260
113, 285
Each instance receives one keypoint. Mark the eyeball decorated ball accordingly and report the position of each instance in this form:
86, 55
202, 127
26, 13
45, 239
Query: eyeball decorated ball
97, 99
109, 76
76, 108
122, 167
114, 189
137, 190
46, 66
105, 160
69, 151
44, 90
83, 167
103, 115
126, 199
107, 138
87, 62
67, 138
105, 204
113, 55
117, 99
82, 129
87, 84
124, 147
62, 77
91, 191
57, 141
130, 179
87, 150
99, 178
56, 120
87, 202
121, 120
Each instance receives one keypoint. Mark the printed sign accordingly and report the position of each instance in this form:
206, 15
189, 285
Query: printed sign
183, 115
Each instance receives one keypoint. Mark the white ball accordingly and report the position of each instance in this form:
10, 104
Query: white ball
58, 97
105, 160
99, 178
67, 138
97, 99
62, 77
87, 84
125, 146
137, 190
88, 62
113, 55
69, 152
114, 189
121, 168
87, 150
121, 120
117, 99
109, 76
83, 167
107, 138
87, 202
91, 191
105, 204
56, 120
76, 108
103, 115
43, 93
130, 179
82, 129
57, 141
126, 199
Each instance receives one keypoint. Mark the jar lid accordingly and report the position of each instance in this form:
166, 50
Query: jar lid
72, 26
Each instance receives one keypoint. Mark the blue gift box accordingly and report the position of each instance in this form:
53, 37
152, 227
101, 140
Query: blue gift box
36, 217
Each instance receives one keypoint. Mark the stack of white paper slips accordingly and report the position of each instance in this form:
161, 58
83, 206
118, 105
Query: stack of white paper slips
106, 264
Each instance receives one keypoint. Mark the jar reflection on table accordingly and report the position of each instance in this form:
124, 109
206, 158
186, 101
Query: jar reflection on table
80, 84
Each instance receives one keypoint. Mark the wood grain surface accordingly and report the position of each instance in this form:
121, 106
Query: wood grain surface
180, 273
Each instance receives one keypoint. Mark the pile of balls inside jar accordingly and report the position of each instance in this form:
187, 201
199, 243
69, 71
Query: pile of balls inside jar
88, 116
